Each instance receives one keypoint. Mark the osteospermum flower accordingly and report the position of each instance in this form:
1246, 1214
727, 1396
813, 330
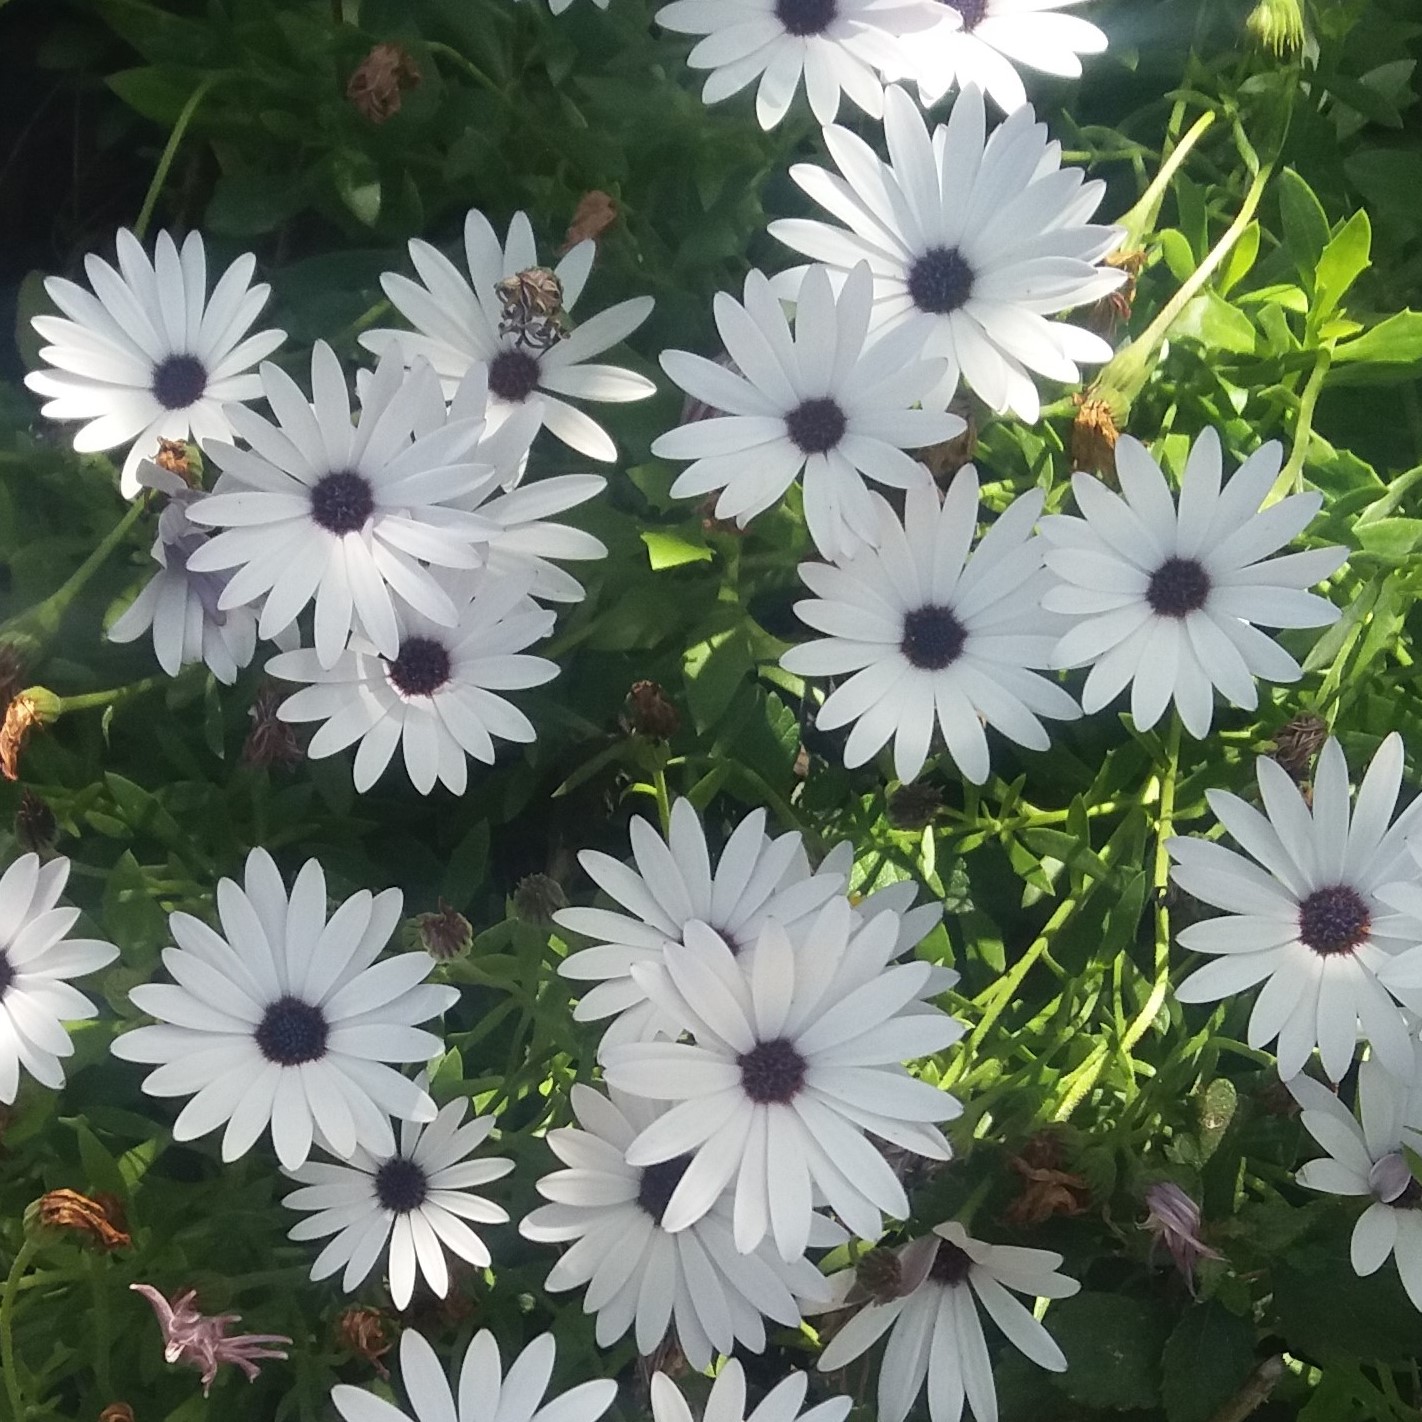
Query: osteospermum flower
148, 355
782, 1077
937, 1335
343, 514
438, 699
181, 606
36, 957
287, 1020
1303, 914
1174, 1219
412, 1202
927, 635
983, 42
638, 1275
203, 1342
727, 1400
532, 359
838, 46
825, 402
674, 884
485, 1392
1369, 1160
977, 238
1166, 597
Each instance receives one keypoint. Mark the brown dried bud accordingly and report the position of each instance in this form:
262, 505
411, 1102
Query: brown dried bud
1296, 745
271, 741
649, 712
100, 1220
1117, 307
444, 934
1046, 1192
946, 459
173, 456
35, 827
1093, 437
30, 708
362, 1331
914, 806
117, 1412
537, 898
879, 1275
12, 670
595, 213
378, 85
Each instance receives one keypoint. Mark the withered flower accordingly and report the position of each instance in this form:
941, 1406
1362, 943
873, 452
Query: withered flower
35, 828
378, 85
946, 459
1046, 1192
595, 213
362, 1331
1093, 437
203, 1342
443, 934
100, 1220
914, 806
270, 741
27, 709
117, 1412
1174, 1220
537, 898
174, 457
1117, 307
650, 712
1297, 744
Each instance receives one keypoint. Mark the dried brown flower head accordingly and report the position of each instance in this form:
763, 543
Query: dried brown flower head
363, 1331
27, 709
270, 741
595, 213
1116, 308
1093, 437
532, 308
649, 712
1296, 744
100, 1220
443, 934
117, 1412
537, 898
912, 807
174, 457
35, 828
378, 85
1045, 1193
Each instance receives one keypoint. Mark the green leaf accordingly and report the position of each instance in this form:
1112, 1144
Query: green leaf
712, 671
1207, 1357
157, 91
249, 204
1240, 261
1212, 321
1175, 248
1305, 224
101, 1170
1390, 179
670, 550
1390, 537
1112, 1345
1388, 352
1344, 259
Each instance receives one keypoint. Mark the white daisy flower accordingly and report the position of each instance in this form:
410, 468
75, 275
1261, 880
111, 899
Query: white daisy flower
413, 1201
755, 878
823, 402
787, 1068
485, 1392
937, 1330
976, 238
639, 1275
456, 326
727, 1400
1369, 1160
342, 513
1308, 918
36, 956
285, 1018
438, 699
929, 635
181, 606
1166, 598
148, 355
838, 46
983, 42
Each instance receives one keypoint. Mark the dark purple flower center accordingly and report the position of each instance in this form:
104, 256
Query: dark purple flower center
421, 668
7, 972
658, 1184
950, 1264
772, 1071
1333, 920
974, 12
342, 502
940, 281
401, 1185
292, 1032
806, 17
1178, 587
817, 426
513, 375
179, 381
933, 638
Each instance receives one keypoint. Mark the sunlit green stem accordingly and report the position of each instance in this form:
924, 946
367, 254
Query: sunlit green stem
145, 216
659, 784
7, 1330
1141, 219
114, 696
1290, 478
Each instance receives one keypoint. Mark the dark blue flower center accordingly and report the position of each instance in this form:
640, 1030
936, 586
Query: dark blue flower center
806, 17
513, 375
940, 281
1178, 587
933, 638
772, 1071
342, 502
401, 1185
292, 1032
421, 668
816, 426
659, 1182
179, 381
1333, 920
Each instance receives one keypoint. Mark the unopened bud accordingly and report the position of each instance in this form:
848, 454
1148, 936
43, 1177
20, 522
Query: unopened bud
537, 898
444, 934
1278, 26
35, 828
650, 712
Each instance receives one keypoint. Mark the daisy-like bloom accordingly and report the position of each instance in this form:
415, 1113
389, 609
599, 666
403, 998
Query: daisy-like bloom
982, 42
727, 1400
485, 1392
438, 699
341, 513
148, 355
287, 1019
792, 1059
1304, 915
1166, 597
937, 1330
457, 325
36, 956
413, 1202
181, 606
636, 1272
202, 1341
975, 238
1175, 1218
823, 402
674, 884
838, 46
1369, 1160
928, 635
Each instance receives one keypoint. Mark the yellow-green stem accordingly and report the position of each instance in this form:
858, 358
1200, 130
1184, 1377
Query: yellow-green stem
114, 696
160, 176
1290, 478
1140, 220
7, 1330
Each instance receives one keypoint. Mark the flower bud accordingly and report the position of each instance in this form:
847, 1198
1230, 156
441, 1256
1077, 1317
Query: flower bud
444, 934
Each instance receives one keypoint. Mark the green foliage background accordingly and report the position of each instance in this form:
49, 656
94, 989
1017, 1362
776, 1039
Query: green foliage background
1054, 886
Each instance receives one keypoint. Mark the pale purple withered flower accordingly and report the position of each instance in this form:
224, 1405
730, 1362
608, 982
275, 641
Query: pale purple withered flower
202, 1342
1174, 1219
